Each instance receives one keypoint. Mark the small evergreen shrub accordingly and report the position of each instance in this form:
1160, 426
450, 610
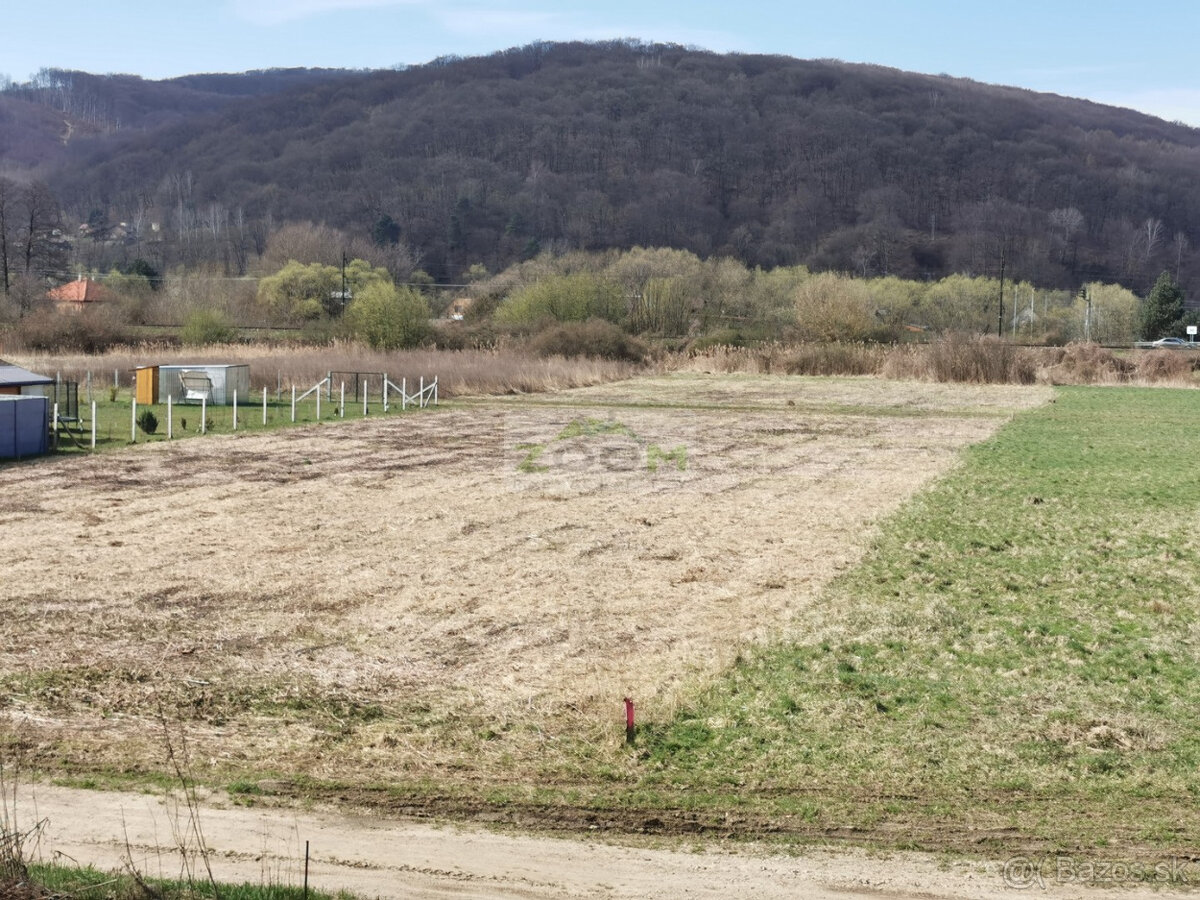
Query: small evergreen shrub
147, 421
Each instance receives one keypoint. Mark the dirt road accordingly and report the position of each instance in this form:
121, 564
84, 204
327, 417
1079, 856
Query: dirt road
405, 859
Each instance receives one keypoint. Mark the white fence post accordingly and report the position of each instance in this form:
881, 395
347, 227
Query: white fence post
366, 388
403, 393
435, 390
204, 415
342, 403
264, 404
385, 392
54, 430
421, 393
293, 403
93, 415
235, 410
133, 422
170, 419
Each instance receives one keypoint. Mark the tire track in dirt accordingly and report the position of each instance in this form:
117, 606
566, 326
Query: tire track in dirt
395, 858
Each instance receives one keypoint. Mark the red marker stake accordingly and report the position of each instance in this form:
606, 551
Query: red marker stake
630, 728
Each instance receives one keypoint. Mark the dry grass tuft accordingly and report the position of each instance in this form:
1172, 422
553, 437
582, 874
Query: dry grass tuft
1084, 364
1106, 735
1166, 366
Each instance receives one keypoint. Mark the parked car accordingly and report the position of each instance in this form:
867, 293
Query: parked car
1171, 342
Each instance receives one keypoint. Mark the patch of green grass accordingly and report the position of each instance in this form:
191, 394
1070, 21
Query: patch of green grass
589, 427
87, 883
656, 454
245, 788
533, 453
115, 418
593, 427
1019, 649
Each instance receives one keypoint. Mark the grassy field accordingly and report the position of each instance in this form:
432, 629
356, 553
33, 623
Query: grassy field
1013, 663
444, 611
408, 606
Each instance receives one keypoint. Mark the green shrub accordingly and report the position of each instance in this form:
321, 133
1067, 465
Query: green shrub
147, 421
563, 298
389, 318
207, 326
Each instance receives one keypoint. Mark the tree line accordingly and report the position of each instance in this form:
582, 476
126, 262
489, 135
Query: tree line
592, 301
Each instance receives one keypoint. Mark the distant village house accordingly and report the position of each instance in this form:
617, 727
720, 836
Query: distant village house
78, 295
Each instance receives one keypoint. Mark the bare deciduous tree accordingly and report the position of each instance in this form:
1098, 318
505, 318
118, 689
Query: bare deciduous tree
1181, 244
1152, 230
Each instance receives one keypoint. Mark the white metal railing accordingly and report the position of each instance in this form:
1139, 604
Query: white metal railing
315, 389
426, 393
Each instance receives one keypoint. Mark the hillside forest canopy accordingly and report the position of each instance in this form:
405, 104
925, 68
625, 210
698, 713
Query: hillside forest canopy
444, 173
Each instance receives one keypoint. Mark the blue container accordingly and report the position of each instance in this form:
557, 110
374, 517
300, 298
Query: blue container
24, 426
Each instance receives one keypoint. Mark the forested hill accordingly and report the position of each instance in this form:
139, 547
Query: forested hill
40, 119
769, 159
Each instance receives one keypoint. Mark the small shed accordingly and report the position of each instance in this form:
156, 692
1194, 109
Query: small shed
15, 381
225, 380
24, 426
145, 384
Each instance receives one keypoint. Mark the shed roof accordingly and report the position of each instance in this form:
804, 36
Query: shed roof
14, 376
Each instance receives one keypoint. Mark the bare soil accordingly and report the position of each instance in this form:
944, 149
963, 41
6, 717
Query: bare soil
388, 858
453, 598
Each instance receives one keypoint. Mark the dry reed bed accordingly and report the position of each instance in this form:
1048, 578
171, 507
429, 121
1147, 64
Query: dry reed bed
513, 371
957, 360
459, 372
397, 599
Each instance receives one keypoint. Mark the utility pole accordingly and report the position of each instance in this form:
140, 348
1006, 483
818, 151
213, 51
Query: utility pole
1087, 316
1000, 315
343, 282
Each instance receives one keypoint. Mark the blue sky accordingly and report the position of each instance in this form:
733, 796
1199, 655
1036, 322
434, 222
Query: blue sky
1124, 53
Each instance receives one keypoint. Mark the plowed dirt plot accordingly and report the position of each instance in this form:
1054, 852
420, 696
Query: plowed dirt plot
461, 596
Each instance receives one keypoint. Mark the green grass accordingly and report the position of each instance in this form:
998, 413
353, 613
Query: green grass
87, 883
1013, 663
1018, 651
588, 428
114, 418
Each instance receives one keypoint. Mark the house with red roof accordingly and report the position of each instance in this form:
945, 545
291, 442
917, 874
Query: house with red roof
80, 294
